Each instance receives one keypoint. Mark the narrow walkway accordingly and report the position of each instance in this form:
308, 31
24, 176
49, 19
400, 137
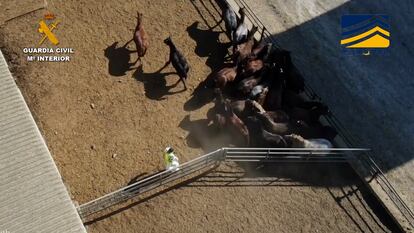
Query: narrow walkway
33, 197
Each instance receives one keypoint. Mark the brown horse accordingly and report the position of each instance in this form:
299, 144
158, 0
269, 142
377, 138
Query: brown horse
224, 76
273, 127
235, 125
262, 138
277, 116
251, 67
230, 122
245, 108
140, 38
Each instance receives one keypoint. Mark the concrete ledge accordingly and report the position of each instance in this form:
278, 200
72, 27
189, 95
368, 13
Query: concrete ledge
33, 197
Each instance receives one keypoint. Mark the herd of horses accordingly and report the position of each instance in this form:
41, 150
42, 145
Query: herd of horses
267, 106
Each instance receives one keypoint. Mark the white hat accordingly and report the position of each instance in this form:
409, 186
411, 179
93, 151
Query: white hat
169, 149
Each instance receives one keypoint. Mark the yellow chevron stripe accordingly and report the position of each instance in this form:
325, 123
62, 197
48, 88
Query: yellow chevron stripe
376, 41
367, 33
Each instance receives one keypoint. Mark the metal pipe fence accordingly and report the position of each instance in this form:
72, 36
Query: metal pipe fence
301, 155
147, 184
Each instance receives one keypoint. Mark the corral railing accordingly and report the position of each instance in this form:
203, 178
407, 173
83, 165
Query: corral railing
149, 183
363, 165
295, 155
210, 160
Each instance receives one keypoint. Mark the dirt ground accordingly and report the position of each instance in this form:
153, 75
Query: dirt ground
105, 125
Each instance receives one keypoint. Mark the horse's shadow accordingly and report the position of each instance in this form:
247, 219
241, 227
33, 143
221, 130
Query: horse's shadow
208, 45
201, 95
118, 60
155, 84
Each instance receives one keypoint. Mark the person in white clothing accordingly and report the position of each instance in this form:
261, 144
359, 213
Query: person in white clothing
171, 160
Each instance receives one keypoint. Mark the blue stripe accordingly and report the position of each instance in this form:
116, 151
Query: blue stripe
366, 27
349, 20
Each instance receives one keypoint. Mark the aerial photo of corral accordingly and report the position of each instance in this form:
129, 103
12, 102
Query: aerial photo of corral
206, 116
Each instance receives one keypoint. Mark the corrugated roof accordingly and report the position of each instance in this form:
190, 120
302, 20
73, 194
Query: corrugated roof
33, 197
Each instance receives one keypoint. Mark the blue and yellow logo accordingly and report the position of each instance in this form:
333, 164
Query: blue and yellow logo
365, 33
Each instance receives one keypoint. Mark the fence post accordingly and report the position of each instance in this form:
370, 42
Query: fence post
268, 154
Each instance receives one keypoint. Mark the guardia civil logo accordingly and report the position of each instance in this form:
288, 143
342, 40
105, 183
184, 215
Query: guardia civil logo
47, 50
47, 30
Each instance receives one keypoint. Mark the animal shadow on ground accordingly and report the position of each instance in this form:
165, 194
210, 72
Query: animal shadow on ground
203, 135
155, 84
118, 60
200, 96
208, 10
208, 45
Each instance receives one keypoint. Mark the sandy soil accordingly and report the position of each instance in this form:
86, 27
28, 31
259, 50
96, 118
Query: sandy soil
105, 125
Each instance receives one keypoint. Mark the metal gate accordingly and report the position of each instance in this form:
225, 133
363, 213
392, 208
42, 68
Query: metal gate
213, 159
